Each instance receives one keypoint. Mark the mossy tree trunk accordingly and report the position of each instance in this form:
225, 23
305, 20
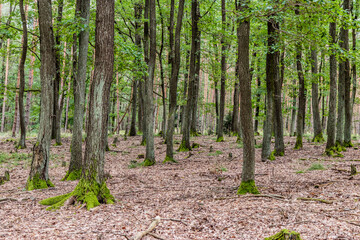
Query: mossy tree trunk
22, 77
318, 136
91, 188
248, 170
79, 95
331, 125
175, 66
38, 176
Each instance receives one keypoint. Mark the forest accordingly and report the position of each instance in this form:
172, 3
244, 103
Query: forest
179, 119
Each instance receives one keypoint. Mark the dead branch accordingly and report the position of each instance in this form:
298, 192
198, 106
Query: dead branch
9, 199
151, 227
174, 220
156, 236
315, 199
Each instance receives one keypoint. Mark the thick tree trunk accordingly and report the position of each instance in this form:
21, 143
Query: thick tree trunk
344, 35
38, 176
248, 170
224, 46
79, 95
318, 136
331, 125
57, 117
22, 77
175, 66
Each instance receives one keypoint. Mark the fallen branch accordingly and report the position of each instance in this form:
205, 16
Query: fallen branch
278, 197
315, 199
152, 226
174, 220
156, 236
9, 199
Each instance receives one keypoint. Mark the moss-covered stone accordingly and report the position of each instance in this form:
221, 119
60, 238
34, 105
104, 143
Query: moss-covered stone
169, 159
72, 176
220, 139
285, 234
37, 183
248, 187
319, 138
183, 148
147, 162
89, 192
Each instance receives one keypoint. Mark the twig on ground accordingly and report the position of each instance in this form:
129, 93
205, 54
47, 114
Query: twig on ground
156, 236
9, 199
174, 220
315, 199
151, 227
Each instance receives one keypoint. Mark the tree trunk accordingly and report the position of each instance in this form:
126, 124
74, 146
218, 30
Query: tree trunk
331, 125
186, 79
57, 117
248, 170
258, 96
193, 78
79, 95
293, 109
38, 176
224, 46
148, 85
302, 98
16, 110
272, 75
236, 108
22, 77
68, 90
175, 66
318, 137
344, 35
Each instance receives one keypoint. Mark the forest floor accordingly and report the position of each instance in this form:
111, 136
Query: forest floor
195, 198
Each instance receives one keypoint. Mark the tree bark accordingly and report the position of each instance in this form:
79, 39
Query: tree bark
248, 170
22, 77
5, 85
318, 137
175, 66
38, 176
75, 165
224, 46
331, 125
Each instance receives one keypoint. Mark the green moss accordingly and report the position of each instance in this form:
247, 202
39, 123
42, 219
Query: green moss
169, 159
238, 139
37, 183
58, 144
330, 151
285, 235
276, 153
143, 143
272, 156
89, 192
147, 162
195, 145
183, 148
319, 138
348, 144
299, 143
72, 176
220, 139
194, 133
248, 187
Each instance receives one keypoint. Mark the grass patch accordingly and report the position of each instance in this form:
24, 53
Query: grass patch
14, 158
316, 167
217, 153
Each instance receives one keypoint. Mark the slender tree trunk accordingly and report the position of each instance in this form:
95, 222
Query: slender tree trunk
224, 46
331, 124
302, 98
22, 77
68, 90
258, 96
293, 109
5, 85
236, 107
16, 111
38, 176
347, 81
149, 82
137, 71
79, 95
353, 68
318, 137
57, 118
186, 79
248, 170
175, 66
